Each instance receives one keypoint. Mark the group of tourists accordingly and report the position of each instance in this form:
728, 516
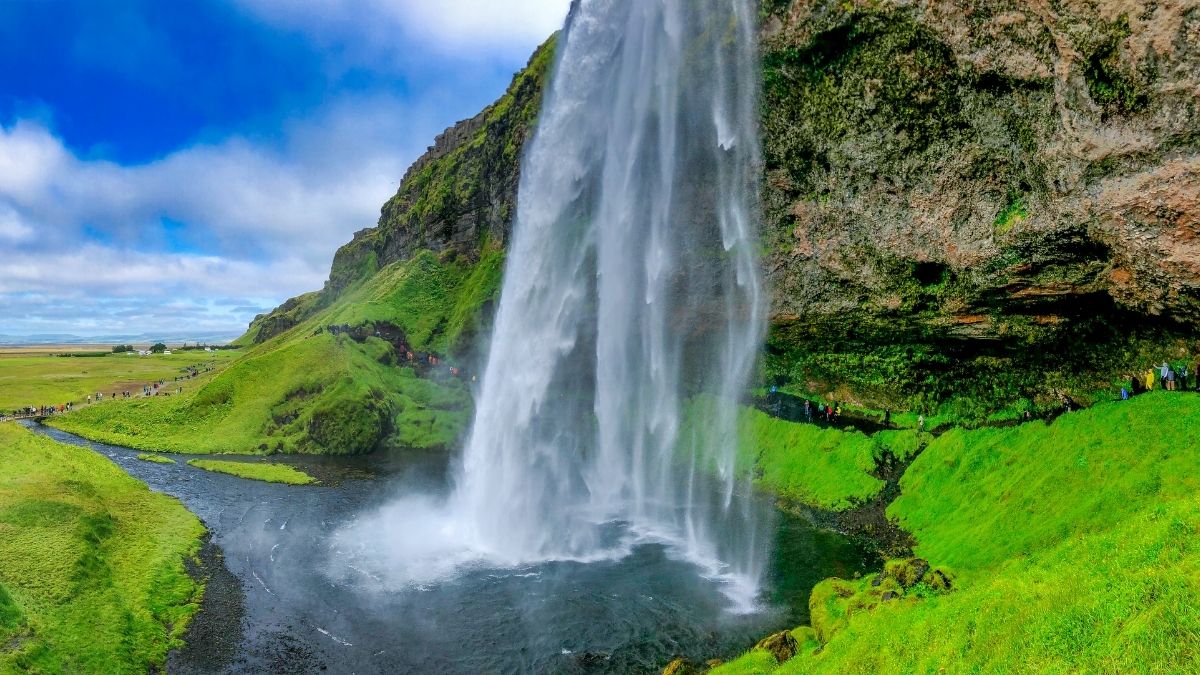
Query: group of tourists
1166, 377
158, 388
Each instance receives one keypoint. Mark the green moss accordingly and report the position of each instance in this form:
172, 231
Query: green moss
1111, 86
270, 473
1073, 548
92, 574
157, 459
1010, 216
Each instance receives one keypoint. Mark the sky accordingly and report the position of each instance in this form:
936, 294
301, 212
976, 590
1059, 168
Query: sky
184, 165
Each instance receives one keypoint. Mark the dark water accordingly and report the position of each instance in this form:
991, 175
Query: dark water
302, 614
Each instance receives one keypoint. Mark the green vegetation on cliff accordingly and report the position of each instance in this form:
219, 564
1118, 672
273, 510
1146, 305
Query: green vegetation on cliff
92, 576
316, 390
328, 371
458, 200
1069, 547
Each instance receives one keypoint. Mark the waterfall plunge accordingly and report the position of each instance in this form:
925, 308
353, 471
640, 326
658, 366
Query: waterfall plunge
632, 287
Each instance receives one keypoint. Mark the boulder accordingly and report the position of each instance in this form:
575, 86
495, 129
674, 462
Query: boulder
781, 645
681, 666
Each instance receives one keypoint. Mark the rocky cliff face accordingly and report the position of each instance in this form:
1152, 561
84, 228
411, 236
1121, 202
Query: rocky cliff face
457, 199
947, 182
973, 201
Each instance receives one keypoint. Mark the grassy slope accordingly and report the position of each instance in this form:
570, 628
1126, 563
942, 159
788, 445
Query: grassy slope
270, 473
307, 390
807, 464
91, 562
1073, 548
46, 380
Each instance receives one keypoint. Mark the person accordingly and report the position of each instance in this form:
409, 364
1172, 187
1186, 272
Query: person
1149, 380
1183, 377
1124, 394
887, 417
920, 423
808, 410
837, 412
1170, 379
1162, 374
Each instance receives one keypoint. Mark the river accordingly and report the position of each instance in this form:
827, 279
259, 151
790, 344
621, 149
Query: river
306, 608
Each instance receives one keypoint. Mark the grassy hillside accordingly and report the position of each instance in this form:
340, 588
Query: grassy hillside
50, 380
316, 390
806, 464
92, 575
1070, 547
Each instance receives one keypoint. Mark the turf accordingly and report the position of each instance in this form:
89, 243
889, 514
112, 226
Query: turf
270, 473
1073, 548
820, 467
310, 390
808, 464
92, 576
52, 380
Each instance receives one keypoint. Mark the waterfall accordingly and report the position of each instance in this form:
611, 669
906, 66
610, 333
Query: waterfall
631, 296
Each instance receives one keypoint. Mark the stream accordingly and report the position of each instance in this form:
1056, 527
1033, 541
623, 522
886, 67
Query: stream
304, 606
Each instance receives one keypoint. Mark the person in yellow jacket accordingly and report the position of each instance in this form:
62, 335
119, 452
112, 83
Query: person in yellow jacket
1150, 380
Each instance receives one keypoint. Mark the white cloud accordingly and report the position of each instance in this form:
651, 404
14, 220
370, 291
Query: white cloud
251, 217
98, 289
456, 27
301, 196
12, 229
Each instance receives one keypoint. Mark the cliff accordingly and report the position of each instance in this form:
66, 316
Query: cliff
964, 191
457, 199
967, 205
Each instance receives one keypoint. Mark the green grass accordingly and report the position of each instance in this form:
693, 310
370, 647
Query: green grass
92, 576
307, 390
157, 459
1073, 548
826, 468
805, 463
270, 473
52, 380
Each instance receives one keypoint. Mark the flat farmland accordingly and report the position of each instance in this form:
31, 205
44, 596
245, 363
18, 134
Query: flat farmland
56, 374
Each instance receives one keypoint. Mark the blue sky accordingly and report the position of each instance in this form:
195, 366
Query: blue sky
183, 165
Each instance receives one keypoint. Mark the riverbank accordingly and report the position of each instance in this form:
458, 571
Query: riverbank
1076, 540
93, 573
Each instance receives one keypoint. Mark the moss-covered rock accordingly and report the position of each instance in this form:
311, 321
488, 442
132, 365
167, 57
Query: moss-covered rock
975, 204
